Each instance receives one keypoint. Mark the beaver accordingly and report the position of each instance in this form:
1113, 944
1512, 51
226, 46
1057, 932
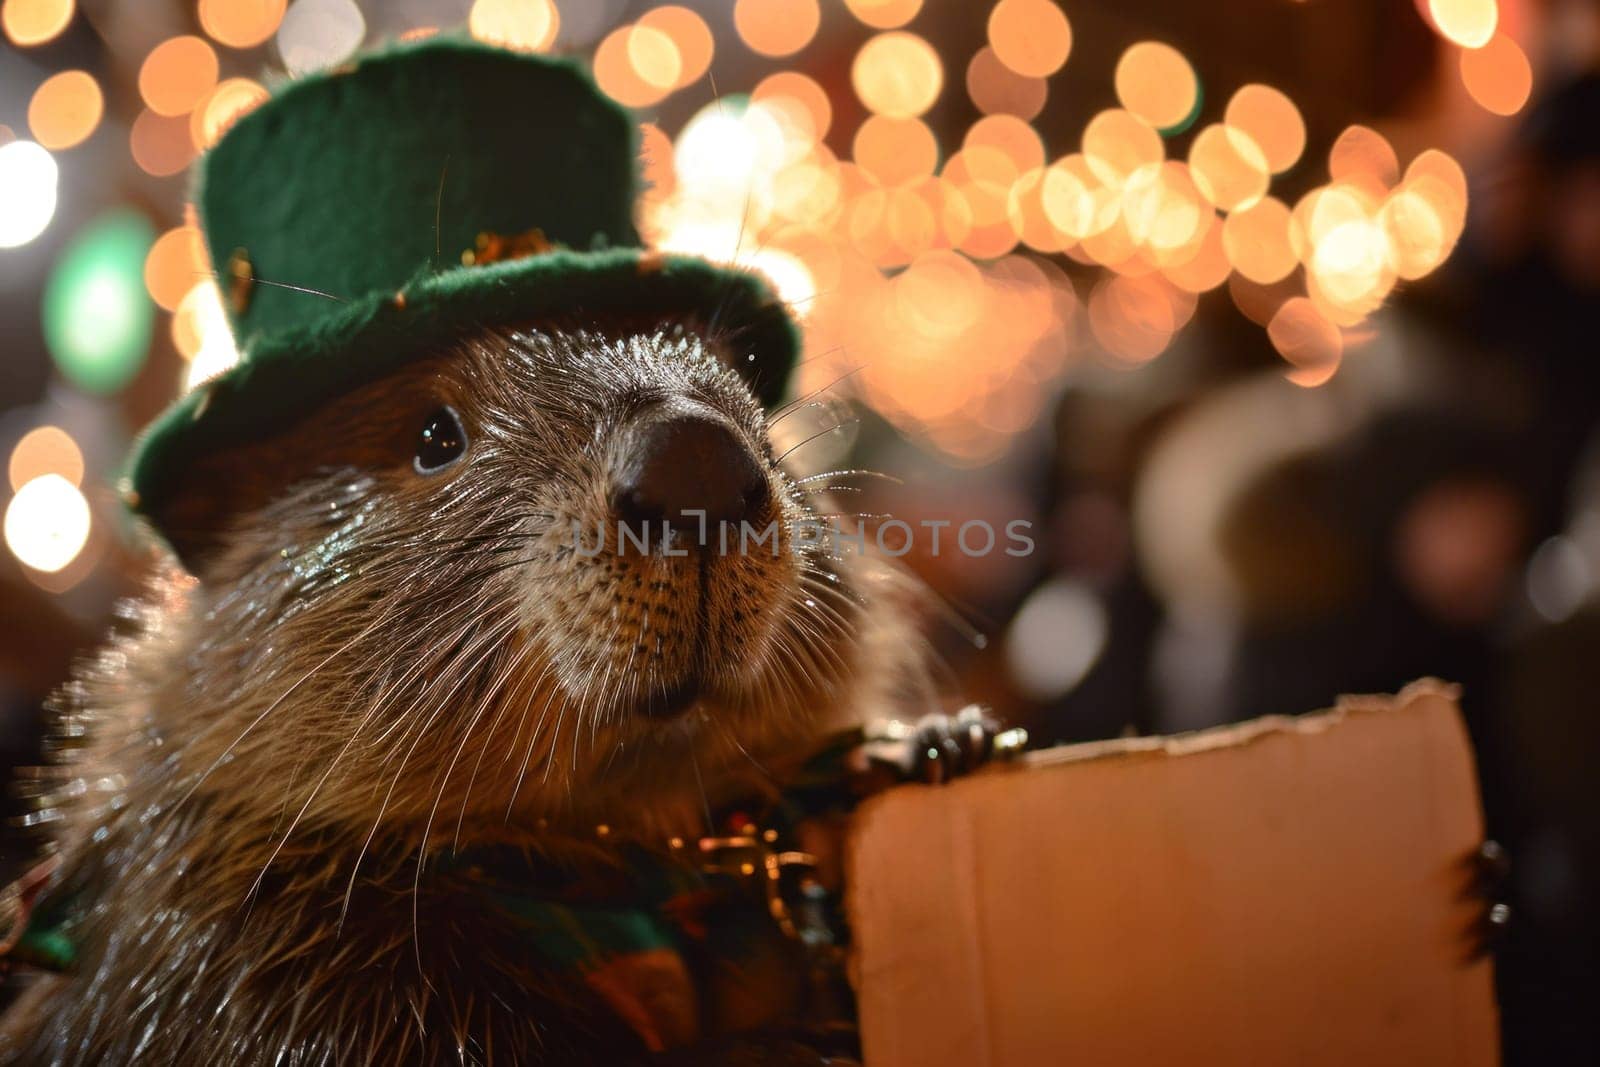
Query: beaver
391, 654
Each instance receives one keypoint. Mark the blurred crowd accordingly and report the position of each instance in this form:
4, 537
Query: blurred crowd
1218, 543
1215, 539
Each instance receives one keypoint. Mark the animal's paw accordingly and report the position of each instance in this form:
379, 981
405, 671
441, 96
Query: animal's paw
938, 747
1487, 880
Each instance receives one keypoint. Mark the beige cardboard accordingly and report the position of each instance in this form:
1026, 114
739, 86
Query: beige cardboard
1286, 891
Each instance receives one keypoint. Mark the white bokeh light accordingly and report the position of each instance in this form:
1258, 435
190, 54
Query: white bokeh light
28, 177
47, 523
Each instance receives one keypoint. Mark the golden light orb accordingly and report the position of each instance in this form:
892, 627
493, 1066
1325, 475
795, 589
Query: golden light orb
65, 109
1155, 82
1032, 37
241, 23
1497, 76
776, 27
897, 74
177, 74
1272, 122
1229, 167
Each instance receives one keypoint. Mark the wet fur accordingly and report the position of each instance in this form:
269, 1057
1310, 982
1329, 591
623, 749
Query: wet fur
367, 665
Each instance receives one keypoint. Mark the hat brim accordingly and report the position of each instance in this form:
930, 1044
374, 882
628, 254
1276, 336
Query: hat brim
282, 377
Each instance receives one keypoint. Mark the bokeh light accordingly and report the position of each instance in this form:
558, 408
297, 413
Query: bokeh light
1032, 37
1256, 240
319, 33
241, 23
1469, 23
45, 450
1155, 82
897, 74
28, 180
637, 66
65, 109
884, 14
1362, 157
47, 523
175, 262
33, 22
895, 150
230, 101
1306, 339
1497, 76
1272, 121
1116, 143
1229, 167
525, 25
776, 27
96, 316
161, 146
200, 332
997, 89
177, 74
791, 89
690, 36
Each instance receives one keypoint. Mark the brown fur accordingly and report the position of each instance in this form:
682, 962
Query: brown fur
368, 665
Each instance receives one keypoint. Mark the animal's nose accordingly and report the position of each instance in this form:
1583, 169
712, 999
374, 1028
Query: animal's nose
684, 460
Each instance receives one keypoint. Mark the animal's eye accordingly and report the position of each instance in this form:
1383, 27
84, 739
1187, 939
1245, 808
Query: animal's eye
441, 442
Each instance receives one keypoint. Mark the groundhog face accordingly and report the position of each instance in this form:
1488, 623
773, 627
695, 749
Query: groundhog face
552, 574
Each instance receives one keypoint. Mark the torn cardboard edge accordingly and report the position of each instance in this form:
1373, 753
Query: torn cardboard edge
1286, 890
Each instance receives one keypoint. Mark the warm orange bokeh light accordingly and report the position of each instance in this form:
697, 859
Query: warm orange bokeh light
1032, 37
45, 450
793, 86
1229, 167
655, 58
884, 14
65, 109
895, 150
1163, 211
637, 66
31, 22
1363, 157
1076, 200
689, 32
526, 25
996, 89
1497, 76
1155, 82
1469, 23
174, 264
1272, 121
1116, 143
161, 145
177, 74
1206, 269
897, 74
1011, 136
1306, 339
228, 102
1134, 318
1257, 241
776, 27
241, 23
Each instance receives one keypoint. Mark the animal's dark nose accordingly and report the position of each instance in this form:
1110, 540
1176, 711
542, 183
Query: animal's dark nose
683, 460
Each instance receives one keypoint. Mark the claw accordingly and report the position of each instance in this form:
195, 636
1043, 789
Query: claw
1489, 878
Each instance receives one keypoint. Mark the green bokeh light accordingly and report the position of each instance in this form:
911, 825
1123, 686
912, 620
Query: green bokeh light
97, 317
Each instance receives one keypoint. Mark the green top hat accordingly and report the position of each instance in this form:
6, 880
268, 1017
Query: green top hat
426, 189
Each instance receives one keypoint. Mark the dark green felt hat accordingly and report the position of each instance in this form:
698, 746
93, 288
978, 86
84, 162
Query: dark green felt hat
426, 189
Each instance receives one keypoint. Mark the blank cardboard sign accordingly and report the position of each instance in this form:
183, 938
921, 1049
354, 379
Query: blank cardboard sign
1286, 891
